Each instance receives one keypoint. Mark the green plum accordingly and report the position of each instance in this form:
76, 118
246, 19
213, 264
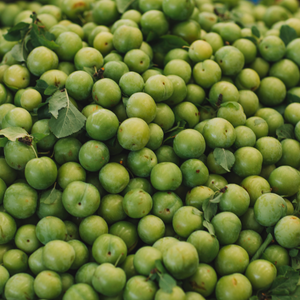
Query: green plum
235, 199
203, 281
287, 232
233, 287
8, 228
166, 176
261, 273
139, 287
206, 245
219, 133
50, 228
58, 261
108, 248
137, 203
249, 240
248, 161
20, 286
127, 232
47, 284
186, 220
144, 259
231, 259
277, 255
81, 199
108, 280
150, 228
181, 260
230, 59
81, 291
285, 181
227, 226
20, 200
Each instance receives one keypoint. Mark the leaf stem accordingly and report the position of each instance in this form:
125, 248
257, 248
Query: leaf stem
263, 247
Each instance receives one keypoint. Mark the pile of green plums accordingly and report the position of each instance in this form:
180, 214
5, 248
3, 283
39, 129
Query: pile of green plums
91, 215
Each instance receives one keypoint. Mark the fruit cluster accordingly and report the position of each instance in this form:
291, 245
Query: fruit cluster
150, 149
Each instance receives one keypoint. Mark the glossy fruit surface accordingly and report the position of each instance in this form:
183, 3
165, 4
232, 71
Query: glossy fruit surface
235, 286
181, 260
149, 149
261, 273
203, 281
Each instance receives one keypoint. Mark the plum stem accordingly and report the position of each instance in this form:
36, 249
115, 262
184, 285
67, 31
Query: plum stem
34, 151
119, 259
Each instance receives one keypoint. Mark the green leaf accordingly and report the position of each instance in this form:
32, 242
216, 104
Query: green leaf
90, 71
167, 283
180, 125
255, 31
239, 23
43, 111
196, 212
41, 86
39, 38
28, 44
111, 142
293, 252
286, 281
50, 37
17, 32
270, 230
285, 131
168, 42
94, 73
70, 120
33, 16
209, 227
296, 203
209, 209
34, 34
51, 89
281, 107
151, 36
19, 53
294, 296
285, 270
14, 133
159, 266
224, 158
171, 136
54, 196
153, 276
252, 39
254, 298
122, 5
295, 263
287, 34
3, 141
291, 98
220, 10
232, 104
216, 102
263, 247
174, 41
59, 100
217, 198
39, 136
